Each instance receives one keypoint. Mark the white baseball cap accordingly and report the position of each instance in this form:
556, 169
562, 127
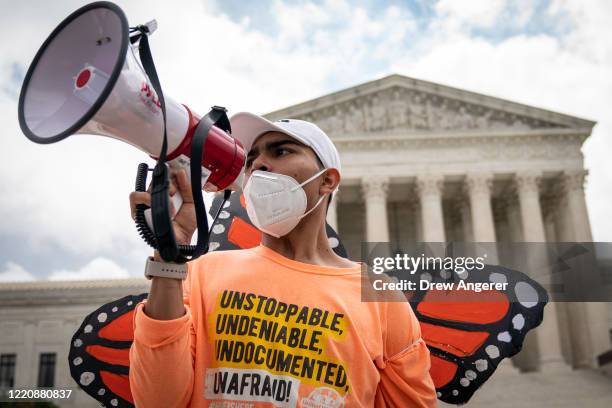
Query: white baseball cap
247, 127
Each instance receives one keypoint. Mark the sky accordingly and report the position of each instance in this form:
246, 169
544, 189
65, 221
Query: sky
64, 207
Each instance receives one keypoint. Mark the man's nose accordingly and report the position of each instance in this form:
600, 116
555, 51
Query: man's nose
260, 164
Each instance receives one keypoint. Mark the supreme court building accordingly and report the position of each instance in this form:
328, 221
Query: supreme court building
420, 162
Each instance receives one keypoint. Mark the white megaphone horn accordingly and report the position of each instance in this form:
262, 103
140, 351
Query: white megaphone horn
86, 78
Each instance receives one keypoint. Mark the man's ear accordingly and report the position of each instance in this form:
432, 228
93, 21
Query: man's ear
330, 181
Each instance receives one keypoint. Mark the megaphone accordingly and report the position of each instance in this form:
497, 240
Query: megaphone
86, 78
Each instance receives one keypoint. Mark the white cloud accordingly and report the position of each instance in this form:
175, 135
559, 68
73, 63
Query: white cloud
99, 268
475, 13
15, 273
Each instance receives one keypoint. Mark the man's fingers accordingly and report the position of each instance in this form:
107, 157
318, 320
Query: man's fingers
172, 189
172, 209
183, 185
139, 197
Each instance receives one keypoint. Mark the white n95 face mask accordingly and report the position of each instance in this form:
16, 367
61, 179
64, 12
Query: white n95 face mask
275, 202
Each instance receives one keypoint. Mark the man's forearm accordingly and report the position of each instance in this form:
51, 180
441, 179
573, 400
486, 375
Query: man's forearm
165, 300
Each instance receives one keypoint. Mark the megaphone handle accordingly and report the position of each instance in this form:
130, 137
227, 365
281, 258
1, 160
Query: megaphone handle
143, 213
177, 202
177, 198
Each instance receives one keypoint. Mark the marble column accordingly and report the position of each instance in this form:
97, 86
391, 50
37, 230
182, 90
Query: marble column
429, 188
374, 190
528, 184
588, 320
548, 335
573, 189
478, 188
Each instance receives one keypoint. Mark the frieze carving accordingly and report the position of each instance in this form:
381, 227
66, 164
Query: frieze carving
407, 109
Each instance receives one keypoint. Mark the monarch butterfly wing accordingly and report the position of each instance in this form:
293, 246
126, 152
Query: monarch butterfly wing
469, 333
99, 352
234, 230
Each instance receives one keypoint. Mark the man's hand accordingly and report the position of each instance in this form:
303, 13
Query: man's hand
183, 220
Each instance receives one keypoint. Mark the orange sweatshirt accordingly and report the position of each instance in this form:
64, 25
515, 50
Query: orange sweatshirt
262, 330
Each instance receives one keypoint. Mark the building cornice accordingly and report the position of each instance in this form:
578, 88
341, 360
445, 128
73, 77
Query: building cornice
76, 284
395, 139
53, 293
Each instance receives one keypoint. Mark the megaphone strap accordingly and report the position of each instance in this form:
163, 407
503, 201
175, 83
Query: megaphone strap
160, 209
160, 212
216, 117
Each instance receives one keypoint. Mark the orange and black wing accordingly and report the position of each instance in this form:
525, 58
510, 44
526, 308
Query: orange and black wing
99, 352
469, 333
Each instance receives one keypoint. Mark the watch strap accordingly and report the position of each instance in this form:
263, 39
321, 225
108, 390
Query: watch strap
165, 269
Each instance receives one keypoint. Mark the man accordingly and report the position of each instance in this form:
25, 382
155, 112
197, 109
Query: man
281, 324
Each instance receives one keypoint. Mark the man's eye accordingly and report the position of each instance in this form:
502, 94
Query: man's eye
282, 151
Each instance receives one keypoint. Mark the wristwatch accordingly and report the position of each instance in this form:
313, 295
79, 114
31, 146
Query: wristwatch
165, 269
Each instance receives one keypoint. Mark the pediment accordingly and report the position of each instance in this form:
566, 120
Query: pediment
401, 104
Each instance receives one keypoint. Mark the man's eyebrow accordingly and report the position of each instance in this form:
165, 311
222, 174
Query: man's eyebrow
272, 145
277, 143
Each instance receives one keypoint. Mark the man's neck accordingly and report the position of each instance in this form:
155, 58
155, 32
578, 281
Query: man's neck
307, 243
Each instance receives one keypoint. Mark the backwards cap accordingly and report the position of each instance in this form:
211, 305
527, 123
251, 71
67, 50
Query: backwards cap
247, 127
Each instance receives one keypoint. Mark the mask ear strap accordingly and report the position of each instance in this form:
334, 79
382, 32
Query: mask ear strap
315, 206
309, 180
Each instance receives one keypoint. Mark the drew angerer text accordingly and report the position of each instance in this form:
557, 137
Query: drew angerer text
405, 285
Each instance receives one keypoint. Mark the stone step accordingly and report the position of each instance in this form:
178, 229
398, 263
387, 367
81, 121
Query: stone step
575, 388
